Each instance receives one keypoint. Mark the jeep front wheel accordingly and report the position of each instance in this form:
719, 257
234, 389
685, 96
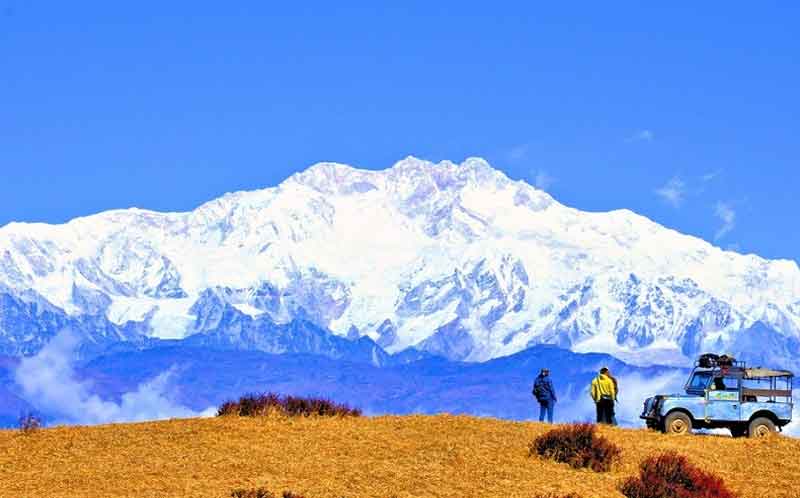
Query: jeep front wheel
761, 427
677, 423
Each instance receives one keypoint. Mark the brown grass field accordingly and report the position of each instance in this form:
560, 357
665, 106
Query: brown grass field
410, 456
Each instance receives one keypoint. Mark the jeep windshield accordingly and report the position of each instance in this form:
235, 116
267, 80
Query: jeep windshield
698, 382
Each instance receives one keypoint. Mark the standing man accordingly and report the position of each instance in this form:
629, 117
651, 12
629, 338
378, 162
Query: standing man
603, 394
545, 394
616, 398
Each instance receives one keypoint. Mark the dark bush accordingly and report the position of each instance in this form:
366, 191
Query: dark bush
228, 408
670, 475
578, 445
252, 405
29, 422
260, 493
314, 406
252, 493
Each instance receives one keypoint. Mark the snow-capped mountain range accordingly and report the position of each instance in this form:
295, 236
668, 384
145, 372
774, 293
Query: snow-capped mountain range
452, 259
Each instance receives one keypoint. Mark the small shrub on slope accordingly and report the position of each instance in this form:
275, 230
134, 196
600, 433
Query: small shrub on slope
260, 493
294, 405
579, 445
252, 493
252, 405
670, 475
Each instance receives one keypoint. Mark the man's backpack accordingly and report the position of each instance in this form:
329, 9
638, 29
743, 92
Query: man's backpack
537, 389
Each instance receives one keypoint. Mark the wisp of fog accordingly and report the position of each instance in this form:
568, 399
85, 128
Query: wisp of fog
49, 383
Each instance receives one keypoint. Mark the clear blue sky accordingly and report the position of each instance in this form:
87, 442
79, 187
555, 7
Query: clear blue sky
689, 115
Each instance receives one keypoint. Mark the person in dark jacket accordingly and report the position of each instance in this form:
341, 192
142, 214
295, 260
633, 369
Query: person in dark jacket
545, 394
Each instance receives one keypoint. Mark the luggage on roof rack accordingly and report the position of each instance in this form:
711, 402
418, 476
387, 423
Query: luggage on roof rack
707, 360
726, 361
711, 360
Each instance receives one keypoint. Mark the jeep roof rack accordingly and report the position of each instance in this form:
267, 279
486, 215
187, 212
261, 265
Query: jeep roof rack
764, 373
711, 360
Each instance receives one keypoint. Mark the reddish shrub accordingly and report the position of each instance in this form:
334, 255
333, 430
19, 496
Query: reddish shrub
228, 408
578, 445
252, 493
251, 405
670, 475
260, 493
314, 406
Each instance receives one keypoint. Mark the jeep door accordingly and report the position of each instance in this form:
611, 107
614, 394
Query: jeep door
723, 399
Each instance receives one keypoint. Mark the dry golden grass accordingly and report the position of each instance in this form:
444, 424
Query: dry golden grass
413, 456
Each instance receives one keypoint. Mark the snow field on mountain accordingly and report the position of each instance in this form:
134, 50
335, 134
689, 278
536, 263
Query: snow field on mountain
455, 257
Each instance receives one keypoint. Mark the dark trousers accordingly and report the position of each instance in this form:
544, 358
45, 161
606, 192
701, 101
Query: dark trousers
605, 411
546, 406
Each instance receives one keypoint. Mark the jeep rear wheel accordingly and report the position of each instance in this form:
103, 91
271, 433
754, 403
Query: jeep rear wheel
677, 423
761, 426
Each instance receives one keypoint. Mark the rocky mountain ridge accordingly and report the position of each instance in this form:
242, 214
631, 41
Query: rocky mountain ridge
453, 259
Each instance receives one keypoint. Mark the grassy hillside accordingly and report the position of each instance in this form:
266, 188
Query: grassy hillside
420, 456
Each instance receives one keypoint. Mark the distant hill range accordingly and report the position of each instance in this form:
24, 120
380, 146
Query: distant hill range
202, 377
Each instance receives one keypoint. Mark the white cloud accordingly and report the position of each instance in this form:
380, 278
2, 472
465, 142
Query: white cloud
543, 180
635, 388
725, 213
793, 429
673, 192
48, 382
711, 175
575, 405
642, 136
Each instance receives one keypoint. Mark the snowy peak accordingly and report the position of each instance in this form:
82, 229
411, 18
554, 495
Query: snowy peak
403, 179
455, 259
333, 178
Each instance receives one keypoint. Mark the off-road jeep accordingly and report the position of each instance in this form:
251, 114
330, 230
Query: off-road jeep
724, 393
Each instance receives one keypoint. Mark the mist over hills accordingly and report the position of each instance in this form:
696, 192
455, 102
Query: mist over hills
179, 381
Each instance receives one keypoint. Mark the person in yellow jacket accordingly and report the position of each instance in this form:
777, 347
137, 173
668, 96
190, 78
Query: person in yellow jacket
604, 393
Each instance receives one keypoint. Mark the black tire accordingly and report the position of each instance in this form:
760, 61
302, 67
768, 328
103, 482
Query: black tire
760, 427
677, 423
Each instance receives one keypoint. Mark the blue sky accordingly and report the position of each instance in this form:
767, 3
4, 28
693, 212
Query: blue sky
686, 114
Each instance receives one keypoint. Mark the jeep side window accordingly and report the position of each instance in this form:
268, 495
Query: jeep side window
750, 384
725, 384
753, 390
699, 380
